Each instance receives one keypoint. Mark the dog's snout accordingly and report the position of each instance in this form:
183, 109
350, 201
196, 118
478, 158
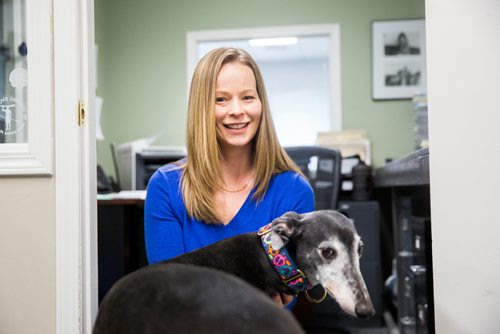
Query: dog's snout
364, 310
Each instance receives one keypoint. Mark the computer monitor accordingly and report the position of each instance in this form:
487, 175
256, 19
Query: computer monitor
152, 158
115, 166
136, 161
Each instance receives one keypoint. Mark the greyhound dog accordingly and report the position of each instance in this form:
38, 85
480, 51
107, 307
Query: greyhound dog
180, 298
291, 254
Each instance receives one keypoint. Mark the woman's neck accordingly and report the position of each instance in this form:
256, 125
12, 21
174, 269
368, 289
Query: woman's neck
236, 164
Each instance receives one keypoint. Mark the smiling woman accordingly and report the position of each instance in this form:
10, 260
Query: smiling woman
302, 69
238, 108
236, 177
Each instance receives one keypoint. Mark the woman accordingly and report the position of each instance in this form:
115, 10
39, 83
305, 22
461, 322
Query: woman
236, 177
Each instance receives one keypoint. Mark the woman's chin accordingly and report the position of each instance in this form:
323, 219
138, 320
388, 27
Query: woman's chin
235, 144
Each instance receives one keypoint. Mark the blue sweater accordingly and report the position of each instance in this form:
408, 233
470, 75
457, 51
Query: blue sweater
170, 232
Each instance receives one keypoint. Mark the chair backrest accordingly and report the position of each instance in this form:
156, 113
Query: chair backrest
321, 166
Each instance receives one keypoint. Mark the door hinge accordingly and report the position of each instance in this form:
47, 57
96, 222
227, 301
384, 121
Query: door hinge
80, 116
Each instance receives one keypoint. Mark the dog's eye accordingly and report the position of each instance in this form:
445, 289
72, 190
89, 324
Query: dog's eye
328, 253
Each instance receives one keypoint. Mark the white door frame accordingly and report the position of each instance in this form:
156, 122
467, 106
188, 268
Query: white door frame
75, 166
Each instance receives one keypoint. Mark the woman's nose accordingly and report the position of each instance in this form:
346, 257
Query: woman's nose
236, 107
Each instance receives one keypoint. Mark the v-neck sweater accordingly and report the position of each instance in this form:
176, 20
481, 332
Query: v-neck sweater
169, 230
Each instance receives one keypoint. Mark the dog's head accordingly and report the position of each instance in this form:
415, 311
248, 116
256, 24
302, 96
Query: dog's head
327, 250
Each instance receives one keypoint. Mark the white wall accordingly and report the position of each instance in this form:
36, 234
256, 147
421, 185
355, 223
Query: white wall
463, 52
27, 256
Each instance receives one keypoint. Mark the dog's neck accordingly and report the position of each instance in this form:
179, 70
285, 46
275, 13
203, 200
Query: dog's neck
283, 264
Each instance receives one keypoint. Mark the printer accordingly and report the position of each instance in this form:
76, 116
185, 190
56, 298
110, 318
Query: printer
137, 161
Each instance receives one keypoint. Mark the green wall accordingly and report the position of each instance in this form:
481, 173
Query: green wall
142, 63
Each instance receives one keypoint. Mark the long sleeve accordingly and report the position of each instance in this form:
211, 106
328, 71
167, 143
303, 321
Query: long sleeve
162, 229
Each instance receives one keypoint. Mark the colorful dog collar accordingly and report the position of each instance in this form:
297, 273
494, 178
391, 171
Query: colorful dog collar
283, 263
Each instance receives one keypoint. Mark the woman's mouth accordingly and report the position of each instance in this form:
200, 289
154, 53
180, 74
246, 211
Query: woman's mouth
236, 126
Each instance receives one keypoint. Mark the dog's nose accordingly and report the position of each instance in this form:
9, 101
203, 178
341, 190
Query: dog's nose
364, 310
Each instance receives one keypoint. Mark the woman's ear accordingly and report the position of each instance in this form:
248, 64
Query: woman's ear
283, 229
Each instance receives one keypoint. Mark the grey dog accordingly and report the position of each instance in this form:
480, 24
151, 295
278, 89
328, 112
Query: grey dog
323, 244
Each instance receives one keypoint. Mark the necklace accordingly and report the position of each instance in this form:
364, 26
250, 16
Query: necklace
239, 189
236, 190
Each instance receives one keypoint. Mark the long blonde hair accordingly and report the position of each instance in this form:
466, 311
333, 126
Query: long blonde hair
202, 175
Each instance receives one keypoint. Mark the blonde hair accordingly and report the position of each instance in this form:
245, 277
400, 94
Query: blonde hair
201, 175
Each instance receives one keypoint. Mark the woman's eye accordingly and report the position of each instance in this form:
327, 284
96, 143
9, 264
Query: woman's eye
219, 99
248, 97
328, 253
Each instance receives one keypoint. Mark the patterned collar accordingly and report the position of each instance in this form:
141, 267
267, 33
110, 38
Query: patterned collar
283, 263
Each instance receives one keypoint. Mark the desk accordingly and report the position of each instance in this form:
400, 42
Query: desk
407, 179
120, 242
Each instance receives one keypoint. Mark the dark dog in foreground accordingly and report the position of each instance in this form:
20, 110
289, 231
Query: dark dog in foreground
181, 298
322, 247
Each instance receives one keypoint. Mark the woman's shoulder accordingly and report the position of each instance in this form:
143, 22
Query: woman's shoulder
289, 175
168, 173
290, 179
165, 183
171, 168
290, 191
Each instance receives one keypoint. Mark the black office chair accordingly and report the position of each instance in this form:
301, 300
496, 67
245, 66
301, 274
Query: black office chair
321, 166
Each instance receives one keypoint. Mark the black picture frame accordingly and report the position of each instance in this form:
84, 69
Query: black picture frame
398, 59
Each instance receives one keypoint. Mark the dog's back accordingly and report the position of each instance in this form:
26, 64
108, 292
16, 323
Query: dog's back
180, 298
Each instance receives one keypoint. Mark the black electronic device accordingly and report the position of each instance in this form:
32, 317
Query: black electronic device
103, 183
149, 160
117, 186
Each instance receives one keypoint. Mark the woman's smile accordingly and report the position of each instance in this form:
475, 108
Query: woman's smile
236, 126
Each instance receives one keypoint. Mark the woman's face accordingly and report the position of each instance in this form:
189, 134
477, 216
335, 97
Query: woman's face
238, 108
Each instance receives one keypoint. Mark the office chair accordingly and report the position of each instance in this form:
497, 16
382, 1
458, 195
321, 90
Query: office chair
321, 166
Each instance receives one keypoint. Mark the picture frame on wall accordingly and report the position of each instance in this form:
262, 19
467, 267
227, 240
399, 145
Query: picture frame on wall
398, 59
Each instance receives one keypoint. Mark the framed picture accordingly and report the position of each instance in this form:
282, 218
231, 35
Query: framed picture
398, 59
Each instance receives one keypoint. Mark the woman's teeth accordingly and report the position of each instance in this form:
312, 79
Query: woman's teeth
235, 126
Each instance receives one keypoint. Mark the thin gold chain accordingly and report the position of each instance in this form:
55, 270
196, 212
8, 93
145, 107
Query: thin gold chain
239, 189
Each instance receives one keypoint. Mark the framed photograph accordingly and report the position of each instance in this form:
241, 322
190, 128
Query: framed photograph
398, 59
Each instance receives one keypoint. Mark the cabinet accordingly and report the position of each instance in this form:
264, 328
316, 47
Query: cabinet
407, 179
120, 240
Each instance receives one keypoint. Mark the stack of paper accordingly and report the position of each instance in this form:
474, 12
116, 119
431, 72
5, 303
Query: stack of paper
421, 121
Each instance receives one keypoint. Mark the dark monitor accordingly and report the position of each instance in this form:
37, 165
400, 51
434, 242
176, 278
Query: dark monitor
115, 165
147, 162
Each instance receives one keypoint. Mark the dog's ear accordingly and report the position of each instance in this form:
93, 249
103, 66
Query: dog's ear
283, 229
